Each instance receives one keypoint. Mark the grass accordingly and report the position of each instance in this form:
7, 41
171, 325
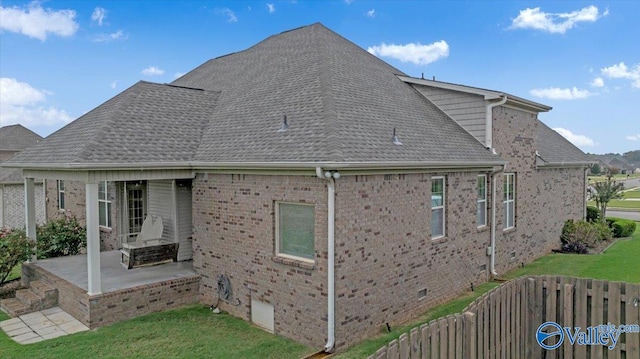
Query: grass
16, 272
618, 263
617, 203
190, 332
616, 177
634, 193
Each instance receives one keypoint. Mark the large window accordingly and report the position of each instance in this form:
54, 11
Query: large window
437, 207
104, 205
481, 217
60, 194
295, 231
509, 198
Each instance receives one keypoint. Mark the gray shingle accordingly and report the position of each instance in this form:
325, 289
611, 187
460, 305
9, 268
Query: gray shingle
17, 137
557, 150
342, 105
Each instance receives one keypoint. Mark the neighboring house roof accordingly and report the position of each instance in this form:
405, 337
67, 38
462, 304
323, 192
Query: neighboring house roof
17, 138
619, 163
13, 139
555, 150
342, 105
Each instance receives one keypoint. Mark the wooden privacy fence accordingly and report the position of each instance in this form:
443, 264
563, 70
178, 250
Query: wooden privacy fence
503, 322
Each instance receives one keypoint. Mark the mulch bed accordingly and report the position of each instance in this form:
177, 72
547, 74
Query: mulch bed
8, 289
602, 246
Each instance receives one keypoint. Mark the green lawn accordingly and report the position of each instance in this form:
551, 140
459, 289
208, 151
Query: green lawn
616, 177
618, 263
16, 272
634, 193
191, 332
617, 203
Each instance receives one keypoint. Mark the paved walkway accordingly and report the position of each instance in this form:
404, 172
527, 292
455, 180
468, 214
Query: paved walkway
38, 326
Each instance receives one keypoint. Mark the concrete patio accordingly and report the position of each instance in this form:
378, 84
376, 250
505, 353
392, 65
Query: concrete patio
125, 293
115, 277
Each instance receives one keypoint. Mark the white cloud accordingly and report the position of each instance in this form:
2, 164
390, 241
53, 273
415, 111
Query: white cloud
37, 22
578, 140
271, 8
98, 15
415, 53
114, 84
115, 36
21, 105
371, 13
348, 2
231, 16
152, 71
178, 74
555, 93
597, 82
557, 23
621, 71
634, 137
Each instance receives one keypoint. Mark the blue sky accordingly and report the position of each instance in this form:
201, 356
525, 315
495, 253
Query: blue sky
60, 59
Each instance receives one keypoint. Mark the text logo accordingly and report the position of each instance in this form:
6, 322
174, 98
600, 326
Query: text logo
545, 339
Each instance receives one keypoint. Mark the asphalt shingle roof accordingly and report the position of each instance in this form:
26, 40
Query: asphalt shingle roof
17, 138
342, 105
556, 150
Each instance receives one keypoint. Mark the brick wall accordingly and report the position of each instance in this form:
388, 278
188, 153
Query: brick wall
234, 235
13, 205
108, 308
74, 203
545, 198
385, 254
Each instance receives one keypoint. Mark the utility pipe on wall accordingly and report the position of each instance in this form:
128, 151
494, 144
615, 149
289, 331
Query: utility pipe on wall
331, 197
493, 220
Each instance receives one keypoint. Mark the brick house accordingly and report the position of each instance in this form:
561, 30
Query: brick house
328, 191
13, 139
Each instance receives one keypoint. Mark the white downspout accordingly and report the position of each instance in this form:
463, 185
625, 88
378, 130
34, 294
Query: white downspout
331, 197
488, 128
493, 220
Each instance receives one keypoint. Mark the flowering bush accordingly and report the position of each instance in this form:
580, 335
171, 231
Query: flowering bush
60, 237
15, 248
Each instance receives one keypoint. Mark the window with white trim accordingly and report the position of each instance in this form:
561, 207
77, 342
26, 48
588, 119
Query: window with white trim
60, 184
295, 230
104, 205
481, 216
509, 200
438, 201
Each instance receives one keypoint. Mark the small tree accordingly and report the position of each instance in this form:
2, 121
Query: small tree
605, 192
595, 169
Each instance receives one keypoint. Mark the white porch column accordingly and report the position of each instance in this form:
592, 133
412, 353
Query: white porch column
93, 239
30, 211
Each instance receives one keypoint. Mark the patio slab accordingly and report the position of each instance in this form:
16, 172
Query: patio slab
38, 326
113, 275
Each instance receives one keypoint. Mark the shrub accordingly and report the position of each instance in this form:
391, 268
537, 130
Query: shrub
593, 214
15, 248
60, 237
578, 235
621, 227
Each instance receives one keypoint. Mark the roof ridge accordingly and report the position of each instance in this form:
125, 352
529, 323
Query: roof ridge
129, 95
334, 152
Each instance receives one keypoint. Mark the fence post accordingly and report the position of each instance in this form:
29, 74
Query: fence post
414, 339
632, 316
469, 349
567, 307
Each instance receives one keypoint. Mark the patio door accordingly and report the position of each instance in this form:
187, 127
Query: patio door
133, 209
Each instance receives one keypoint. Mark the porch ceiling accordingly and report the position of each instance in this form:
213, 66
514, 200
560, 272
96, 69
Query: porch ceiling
114, 276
